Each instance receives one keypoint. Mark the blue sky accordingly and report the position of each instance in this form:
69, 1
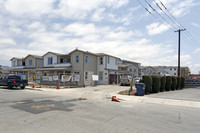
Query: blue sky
122, 28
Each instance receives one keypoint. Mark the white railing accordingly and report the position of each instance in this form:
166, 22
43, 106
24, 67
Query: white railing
62, 65
18, 67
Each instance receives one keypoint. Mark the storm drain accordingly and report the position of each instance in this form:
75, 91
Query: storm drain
36, 107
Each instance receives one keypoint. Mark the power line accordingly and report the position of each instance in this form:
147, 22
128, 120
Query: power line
177, 22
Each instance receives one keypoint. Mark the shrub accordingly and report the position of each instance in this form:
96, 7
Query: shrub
178, 86
162, 83
168, 83
182, 82
147, 80
174, 82
155, 84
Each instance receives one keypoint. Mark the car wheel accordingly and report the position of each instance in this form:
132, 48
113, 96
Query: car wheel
10, 86
22, 87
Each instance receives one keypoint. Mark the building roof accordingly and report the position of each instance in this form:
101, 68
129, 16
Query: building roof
131, 62
86, 52
16, 58
103, 54
35, 56
53, 53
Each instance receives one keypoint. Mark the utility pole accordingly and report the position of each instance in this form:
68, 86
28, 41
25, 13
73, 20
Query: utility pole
179, 48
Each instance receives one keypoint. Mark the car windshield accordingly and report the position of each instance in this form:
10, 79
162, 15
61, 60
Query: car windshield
14, 77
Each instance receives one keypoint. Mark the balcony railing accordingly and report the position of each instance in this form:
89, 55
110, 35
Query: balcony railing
62, 65
18, 67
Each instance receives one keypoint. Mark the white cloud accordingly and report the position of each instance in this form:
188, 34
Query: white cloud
157, 28
35, 7
79, 29
79, 9
5, 42
98, 15
195, 25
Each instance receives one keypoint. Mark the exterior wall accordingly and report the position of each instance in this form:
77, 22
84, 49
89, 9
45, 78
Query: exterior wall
90, 67
16, 64
33, 62
45, 58
78, 66
13, 63
171, 70
133, 69
111, 63
39, 63
101, 69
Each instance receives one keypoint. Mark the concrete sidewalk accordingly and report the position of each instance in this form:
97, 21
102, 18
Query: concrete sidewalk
105, 93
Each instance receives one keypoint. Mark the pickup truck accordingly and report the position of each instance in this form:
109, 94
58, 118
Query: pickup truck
13, 81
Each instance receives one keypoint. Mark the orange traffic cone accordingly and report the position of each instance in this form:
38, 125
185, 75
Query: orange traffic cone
131, 88
115, 99
33, 85
58, 87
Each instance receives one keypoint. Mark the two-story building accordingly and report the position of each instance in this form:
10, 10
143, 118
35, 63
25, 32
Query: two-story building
76, 62
128, 68
107, 69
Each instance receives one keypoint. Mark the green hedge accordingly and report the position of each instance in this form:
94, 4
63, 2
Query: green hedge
162, 83
155, 84
147, 80
174, 83
178, 86
168, 83
182, 82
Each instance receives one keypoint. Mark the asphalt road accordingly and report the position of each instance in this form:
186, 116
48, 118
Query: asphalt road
37, 111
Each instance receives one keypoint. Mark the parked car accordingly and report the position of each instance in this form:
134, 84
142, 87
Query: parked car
13, 81
125, 80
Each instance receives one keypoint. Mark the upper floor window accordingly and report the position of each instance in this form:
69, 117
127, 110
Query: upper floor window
130, 69
86, 59
175, 69
116, 61
30, 62
14, 63
108, 60
101, 61
50, 60
174, 73
170, 69
77, 58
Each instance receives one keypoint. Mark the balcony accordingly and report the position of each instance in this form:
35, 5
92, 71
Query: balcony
18, 67
62, 65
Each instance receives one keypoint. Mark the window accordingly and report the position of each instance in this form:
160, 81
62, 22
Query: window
135, 70
14, 63
64, 60
86, 59
115, 61
108, 60
61, 60
76, 73
170, 69
86, 75
101, 61
174, 73
130, 69
50, 60
30, 62
175, 69
77, 59
100, 75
